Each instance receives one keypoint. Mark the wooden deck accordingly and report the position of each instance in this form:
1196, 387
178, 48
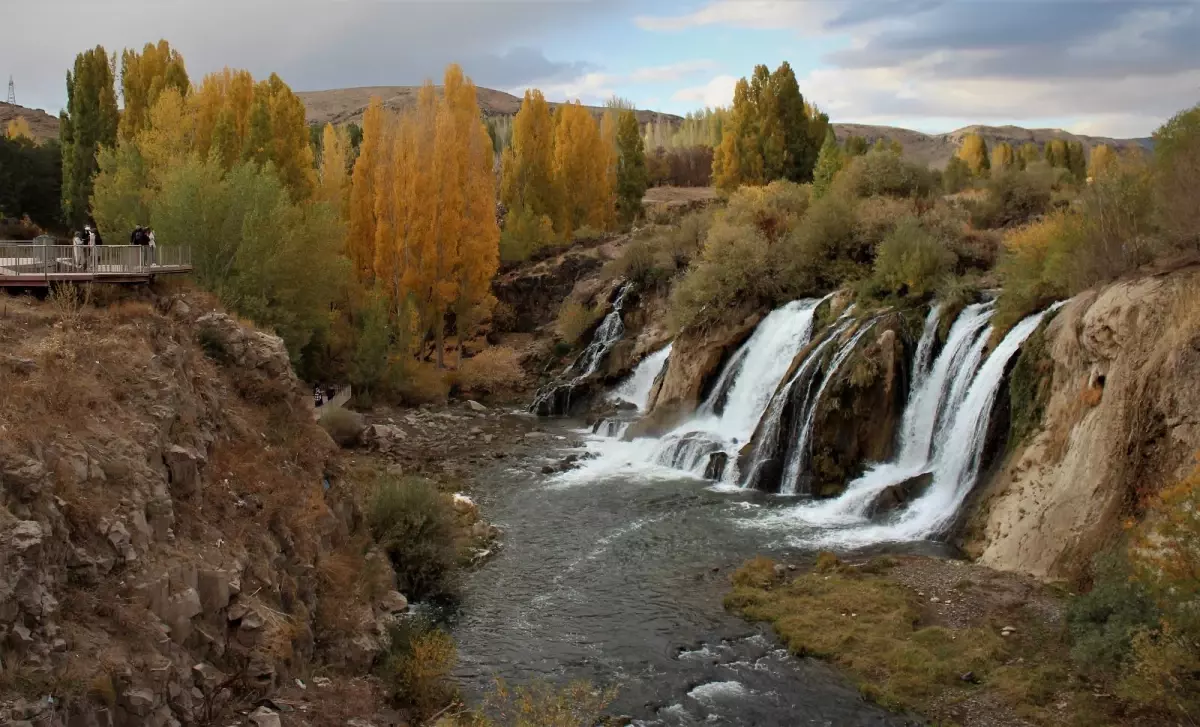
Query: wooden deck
27, 265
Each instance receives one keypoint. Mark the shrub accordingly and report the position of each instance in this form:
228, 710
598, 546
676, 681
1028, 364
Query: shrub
1023, 270
416, 383
415, 526
1103, 621
1177, 176
525, 234
492, 371
910, 262
756, 573
884, 172
417, 665
735, 267
343, 425
589, 234
1016, 196
578, 704
574, 321
828, 249
774, 210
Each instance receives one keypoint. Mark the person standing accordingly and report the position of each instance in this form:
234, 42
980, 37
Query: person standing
91, 239
77, 249
152, 244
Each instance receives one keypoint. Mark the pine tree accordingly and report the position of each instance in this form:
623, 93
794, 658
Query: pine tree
829, 163
144, 76
1003, 157
89, 122
334, 187
632, 178
360, 241
974, 152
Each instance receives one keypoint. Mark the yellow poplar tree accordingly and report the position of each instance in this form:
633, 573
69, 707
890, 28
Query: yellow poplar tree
226, 93
1003, 156
974, 152
360, 241
144, 76
580, 170
290, 149
18, 128
334, 185
528, 176
608, 148
1101, 159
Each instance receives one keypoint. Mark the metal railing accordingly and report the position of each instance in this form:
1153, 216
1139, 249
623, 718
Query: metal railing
20, 260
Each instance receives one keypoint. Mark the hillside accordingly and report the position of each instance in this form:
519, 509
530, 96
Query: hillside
43, 125
936, 149
345, 105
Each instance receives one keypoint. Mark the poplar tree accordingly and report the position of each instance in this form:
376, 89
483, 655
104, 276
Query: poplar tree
89, 122
528, 165
1056, 153
1076, 160
1101, 159
739, 159
1003, 156
18, 128
334, 186
1028, 154
360, 240
144, 76
829, 163
796, 118
580, 170
632, 177
974, 152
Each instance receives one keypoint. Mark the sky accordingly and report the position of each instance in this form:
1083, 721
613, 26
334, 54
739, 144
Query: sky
1105, 67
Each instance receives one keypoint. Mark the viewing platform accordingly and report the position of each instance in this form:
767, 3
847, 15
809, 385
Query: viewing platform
38, 263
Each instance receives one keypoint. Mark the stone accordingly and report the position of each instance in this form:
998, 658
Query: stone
263, 717
118, 536
476, 406
183, 468
207, 676
20, 637
894, 497
393, 602
548, 469
25, 535
715, 469
179, 611
139, 701
213, 585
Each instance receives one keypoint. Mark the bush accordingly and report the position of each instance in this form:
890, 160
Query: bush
736, 267
415, 525
525, 234
1015, 196
492, 371
1103, 621
343, 425
910, 262
416, 383
829, 248
774, 210
589, 234
756, 573
417, 667
884, 172
1023, 269
574, 321
579, 704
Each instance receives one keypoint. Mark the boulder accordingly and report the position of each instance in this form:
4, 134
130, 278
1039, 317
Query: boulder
715, 469
476, 406
183, 469
393, 602
897, 496
264, 717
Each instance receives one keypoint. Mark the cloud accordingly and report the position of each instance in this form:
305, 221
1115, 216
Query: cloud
596, 87
717, 92
312, 44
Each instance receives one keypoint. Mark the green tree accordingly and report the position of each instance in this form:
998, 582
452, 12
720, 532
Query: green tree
632, 176
801, 147
1076, 161
974, 152
956, 176
1028, 154
257, 147
829, 163
30, 179
1056, 153
89, 122
1177, 175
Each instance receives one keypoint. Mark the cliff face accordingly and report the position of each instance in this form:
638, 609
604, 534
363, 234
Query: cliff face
171, 532
1115, 414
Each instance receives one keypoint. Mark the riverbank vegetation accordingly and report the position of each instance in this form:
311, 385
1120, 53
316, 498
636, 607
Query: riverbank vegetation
955, 643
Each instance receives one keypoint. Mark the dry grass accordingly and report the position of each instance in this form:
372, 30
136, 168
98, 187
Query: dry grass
574, 321
542, 705
494, 370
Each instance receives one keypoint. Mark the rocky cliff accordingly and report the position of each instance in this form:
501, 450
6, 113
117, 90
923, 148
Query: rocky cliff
1105, 412
174, 538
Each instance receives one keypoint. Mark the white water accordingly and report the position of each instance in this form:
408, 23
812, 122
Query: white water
636, 389
607, 334
957, 447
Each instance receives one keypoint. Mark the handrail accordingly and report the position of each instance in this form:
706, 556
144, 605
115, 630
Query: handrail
25, 259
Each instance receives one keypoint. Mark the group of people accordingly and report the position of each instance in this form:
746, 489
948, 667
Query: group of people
89, 236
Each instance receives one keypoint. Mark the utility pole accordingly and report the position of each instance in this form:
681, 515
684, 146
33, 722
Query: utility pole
12, 92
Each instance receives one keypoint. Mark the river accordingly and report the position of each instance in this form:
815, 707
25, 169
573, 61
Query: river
618, 579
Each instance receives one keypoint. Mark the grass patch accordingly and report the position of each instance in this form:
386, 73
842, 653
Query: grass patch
415, 525
542, 705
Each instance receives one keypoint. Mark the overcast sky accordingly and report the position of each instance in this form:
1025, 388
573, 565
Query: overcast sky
1092, 66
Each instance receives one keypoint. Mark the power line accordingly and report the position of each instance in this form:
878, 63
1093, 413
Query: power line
12, 92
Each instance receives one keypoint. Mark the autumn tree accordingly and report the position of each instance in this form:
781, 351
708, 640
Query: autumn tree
974, 152
1003, 156
18, 128
360, 239
89, 122
956, 176
1028, 154
855, 146
144, 76
580, 171
334, 184
1077, 160
739, 159
528, 165
829, 163
1101, 159
632, 178
1056, 153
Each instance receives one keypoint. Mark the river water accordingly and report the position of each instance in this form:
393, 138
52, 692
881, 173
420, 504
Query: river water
618, 579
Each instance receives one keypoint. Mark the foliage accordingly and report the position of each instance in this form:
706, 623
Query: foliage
528, 180
89, 122
770, 132
333, 187
698, 129
631, 175
18, 128
417, 666
910, 262
580, 171
574, 320
1177, 174
1101, 158
343, 425
578, 704
494, 370
884, 172
957, 176
1029, 387
1103, 621
30, 179
525, 234
1014, 196
1003, 157
829, 162
360, 234
974, 152
415, 525
144, 76
1022, 267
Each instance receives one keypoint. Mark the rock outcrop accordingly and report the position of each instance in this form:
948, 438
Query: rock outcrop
1118, 420
167, 522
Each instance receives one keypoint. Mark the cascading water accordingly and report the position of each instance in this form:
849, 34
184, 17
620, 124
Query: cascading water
956, 439
636, 389
555, 399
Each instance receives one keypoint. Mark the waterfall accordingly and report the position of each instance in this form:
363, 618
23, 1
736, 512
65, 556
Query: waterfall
636, 389
943, 437
555, 399
727, 418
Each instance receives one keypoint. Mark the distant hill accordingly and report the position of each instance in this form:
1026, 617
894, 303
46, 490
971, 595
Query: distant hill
43, 125
345, 105
936, 149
